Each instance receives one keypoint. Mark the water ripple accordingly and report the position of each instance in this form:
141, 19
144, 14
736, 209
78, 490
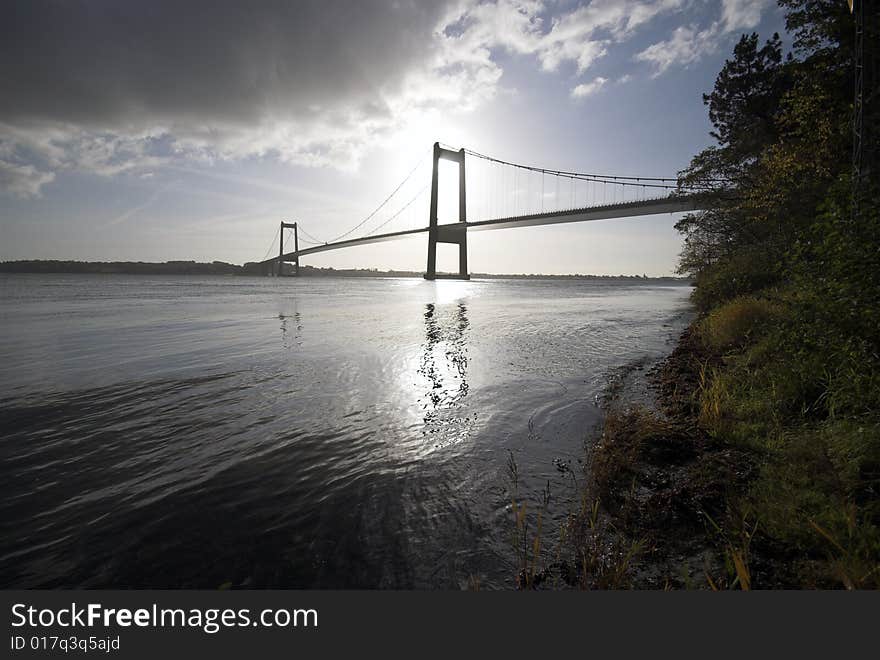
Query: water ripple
186, 432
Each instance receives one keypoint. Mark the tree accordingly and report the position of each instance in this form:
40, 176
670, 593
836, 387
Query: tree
822, 29
745, 101
782, 127
744, 108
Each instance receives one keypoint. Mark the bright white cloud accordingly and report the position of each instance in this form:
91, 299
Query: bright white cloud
586, 89
580, 36
689, 44
742, 14
686, 45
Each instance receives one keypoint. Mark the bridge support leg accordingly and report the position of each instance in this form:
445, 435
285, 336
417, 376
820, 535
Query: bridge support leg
280, 271
295, 260
296, 250
452, 233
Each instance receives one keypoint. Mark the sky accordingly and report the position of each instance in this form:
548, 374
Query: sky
159, 130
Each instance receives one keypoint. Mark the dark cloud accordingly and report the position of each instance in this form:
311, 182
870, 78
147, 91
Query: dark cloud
112, 86
106, 62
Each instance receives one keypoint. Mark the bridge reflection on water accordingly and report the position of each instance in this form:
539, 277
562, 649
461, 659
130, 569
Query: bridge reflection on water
444, 363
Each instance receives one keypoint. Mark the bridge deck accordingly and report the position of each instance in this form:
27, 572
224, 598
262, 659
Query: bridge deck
606, 212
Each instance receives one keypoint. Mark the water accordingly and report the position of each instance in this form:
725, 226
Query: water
192, 432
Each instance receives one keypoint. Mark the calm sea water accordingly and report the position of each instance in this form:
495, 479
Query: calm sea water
192, 432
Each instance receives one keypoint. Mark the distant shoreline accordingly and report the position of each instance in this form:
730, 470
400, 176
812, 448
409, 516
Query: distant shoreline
36, 266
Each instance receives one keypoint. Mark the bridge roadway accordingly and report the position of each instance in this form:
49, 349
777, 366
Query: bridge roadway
672, 204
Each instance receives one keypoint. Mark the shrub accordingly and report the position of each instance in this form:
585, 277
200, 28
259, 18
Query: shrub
736, 275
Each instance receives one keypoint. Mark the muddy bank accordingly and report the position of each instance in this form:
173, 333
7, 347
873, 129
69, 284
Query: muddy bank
661, 484
655, 490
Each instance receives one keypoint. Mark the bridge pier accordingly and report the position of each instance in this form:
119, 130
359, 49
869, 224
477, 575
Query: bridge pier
455, 233
281, 260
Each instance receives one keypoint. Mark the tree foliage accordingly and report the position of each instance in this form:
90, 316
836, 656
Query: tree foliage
744, 104
781, 229
782, 127
782, 216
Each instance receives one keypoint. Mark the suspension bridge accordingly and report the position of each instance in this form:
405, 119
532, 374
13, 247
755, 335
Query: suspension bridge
501, 195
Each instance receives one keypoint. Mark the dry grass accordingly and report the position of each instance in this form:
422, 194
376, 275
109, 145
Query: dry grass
624, 434
712, 396
736, 323
527, 544
735, 539
602, 555
590, 552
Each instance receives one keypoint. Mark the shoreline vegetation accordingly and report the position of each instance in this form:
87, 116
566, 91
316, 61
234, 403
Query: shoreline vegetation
757, 464
33, 266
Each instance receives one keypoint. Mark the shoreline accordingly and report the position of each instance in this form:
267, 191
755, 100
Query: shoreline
666, 492
643, 467
222, 268
653, 486
630, 384
627, 531
660, 494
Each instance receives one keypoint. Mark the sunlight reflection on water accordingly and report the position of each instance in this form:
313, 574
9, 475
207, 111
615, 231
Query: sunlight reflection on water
313, 432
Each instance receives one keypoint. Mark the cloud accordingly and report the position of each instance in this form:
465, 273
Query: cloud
114, 82
583, 35
742, 14
586, 89
580, 36
689, 44
686, 45
116, 87
22, 180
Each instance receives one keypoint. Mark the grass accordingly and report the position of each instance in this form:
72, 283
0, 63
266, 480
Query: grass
735, 542
623, 436
601, 554
817, 496
775, 389
526, 543
770, 437
736, 323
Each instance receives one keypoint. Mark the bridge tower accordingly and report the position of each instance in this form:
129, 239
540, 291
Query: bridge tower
455, 233
288, 225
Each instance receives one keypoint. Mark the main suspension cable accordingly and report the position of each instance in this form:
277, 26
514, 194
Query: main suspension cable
272, 244
607, 178
308, 236
384, 202
399, 211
